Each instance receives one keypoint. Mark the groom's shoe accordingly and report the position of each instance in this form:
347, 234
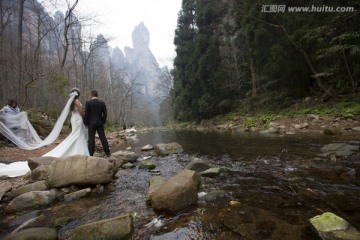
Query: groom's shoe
108, 154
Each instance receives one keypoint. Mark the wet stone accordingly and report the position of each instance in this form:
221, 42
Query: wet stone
331, 226
212, 172
147, 148
23, 218
214, 195
147, 165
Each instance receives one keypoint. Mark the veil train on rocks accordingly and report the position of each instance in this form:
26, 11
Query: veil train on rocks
26, 137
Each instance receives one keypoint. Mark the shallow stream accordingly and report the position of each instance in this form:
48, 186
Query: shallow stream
273, 185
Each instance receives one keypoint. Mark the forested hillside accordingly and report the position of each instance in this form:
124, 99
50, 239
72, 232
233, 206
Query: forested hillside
263, 54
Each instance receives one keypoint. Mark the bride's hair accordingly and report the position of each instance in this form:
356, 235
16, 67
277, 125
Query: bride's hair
72, 106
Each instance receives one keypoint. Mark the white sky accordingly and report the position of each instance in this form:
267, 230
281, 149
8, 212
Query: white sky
118, 18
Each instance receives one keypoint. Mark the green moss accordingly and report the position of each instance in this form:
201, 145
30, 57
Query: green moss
250, 122
328, 222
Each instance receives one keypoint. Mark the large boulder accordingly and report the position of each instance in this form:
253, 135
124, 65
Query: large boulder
177, 193
119, 228
33, 233
164, 149
31, 200
80, 170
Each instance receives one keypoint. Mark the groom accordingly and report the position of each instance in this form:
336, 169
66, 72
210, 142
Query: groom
94, 119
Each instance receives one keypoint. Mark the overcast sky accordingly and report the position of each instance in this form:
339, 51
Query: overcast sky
118, 18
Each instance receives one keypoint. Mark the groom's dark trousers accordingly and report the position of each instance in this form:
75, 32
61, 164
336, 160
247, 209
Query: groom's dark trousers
95, 118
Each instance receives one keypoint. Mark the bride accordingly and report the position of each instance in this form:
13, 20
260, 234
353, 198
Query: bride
76, 142
27, 138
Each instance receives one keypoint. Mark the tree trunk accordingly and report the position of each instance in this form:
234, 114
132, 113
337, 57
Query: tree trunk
20, 43
254, 80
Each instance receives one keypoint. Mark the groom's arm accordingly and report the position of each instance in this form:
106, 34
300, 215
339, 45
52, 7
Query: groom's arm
86, 116
104, 114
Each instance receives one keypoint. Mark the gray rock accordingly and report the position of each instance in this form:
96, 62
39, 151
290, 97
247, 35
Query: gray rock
114, 228
340, 149
23, 218
36, 186
76, 195
332, 131
164, 149
274, 125
39, 161
5, 186
41, 173
61, 222
330, 226
357, 129
270, 131
37, 221
214, 195
197, 165
80, 170
212, 172
128, 166
31, 200
177, 193
147, 165
147, 148
117, 162
33, 233
127, 156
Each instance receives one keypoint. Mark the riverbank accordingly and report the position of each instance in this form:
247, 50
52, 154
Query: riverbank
309, 124
304, 117
308, 117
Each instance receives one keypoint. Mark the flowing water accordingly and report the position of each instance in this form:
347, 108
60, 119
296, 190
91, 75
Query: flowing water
273, 185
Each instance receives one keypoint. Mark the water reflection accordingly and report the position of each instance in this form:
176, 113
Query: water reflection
237, 146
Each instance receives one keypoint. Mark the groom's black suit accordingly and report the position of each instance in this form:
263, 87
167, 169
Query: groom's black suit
94, 119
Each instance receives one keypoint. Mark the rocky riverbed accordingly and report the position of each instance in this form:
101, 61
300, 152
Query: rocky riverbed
274, 189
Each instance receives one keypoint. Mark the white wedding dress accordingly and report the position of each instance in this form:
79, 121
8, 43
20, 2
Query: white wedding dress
24, 135
75, 143
27, 138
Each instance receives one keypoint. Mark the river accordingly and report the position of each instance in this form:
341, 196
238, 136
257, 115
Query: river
274, 184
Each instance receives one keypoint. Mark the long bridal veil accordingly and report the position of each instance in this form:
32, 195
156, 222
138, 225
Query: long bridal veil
18, 129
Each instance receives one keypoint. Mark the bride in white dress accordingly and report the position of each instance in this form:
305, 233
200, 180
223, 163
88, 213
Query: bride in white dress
76, 142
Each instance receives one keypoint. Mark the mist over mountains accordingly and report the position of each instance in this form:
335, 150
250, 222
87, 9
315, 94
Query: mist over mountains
53, 53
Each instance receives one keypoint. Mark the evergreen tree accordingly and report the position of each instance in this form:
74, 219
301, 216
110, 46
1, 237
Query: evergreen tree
233, 51
183, 63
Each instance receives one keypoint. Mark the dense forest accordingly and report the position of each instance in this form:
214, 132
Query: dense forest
263, 54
